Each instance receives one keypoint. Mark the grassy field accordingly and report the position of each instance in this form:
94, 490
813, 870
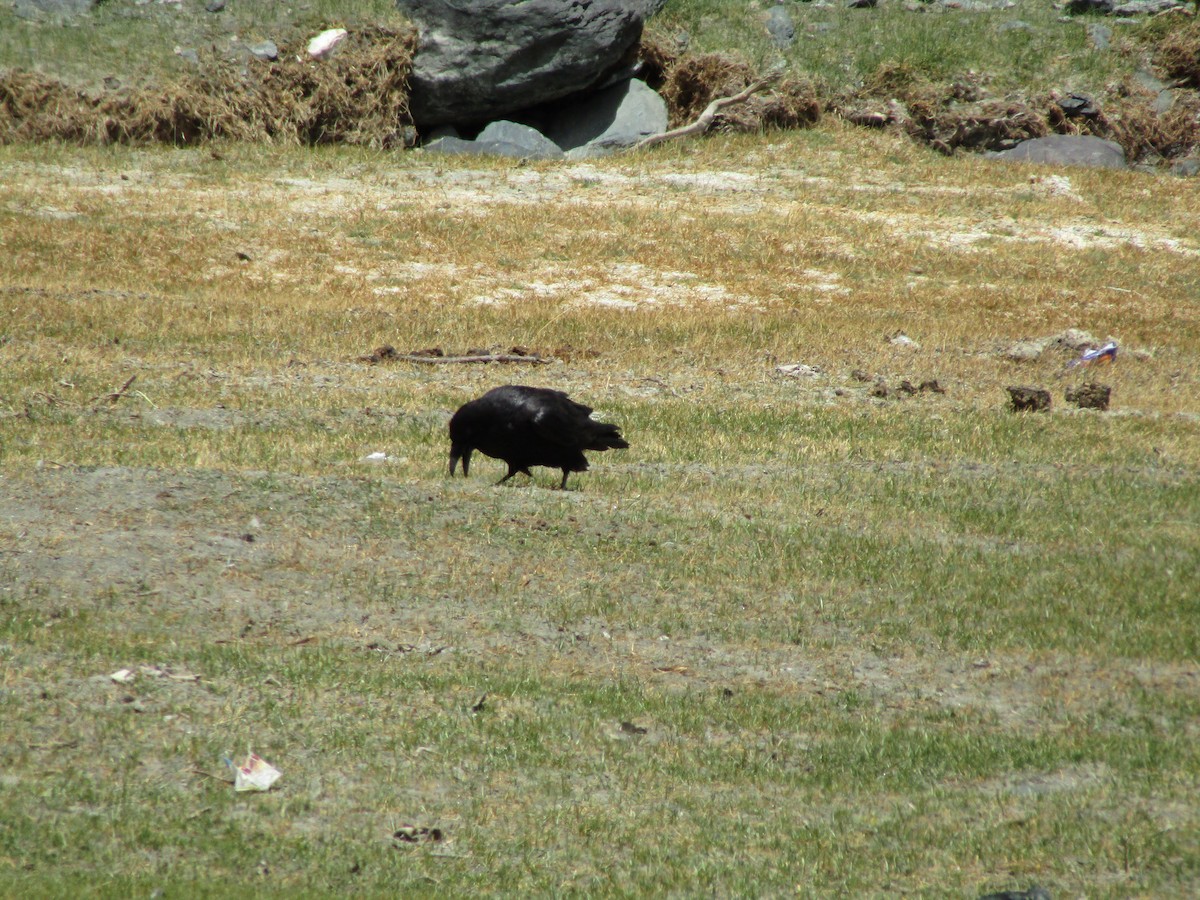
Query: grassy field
798, 639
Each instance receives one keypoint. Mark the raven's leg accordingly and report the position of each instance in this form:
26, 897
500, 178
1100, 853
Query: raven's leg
511, 473
563, 486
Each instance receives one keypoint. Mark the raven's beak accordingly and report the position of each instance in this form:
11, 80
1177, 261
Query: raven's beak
458, 451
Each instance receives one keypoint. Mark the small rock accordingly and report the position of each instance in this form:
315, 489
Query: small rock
1075, 339
214, 6
1099, 35
781, 27
1029, 399
799, 370
265, 50
1034, 893
1076, 106
1186, 168
900, 339
1090, 396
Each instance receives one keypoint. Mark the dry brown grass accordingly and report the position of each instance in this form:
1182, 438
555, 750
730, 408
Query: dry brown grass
358, 96
705, 258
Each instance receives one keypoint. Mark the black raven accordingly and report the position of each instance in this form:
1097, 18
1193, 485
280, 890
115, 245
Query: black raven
529, 426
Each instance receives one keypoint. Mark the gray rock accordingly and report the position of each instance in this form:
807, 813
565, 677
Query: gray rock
1186, 168
1144, 7
1026, 351
503, 132
454, 146
1113, 8
264, 50
214, 6
1099, 35
781, 27
481, 59
1067, 150
616, 117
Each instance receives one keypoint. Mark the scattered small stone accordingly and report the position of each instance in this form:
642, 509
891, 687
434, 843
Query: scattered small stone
781, 27
1036, 892
931, 385
1090, 396
214, 6
908, 387
1029, 399
630, 728
900, 339
265, 50
1099, 35
880, 389
1076, 106
799, 370
1186, 168
860, 375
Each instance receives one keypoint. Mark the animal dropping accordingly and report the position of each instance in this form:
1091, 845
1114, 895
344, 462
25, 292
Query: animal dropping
529, 426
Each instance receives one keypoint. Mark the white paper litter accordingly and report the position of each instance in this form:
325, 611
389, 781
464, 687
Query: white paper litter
325, 41
255, 774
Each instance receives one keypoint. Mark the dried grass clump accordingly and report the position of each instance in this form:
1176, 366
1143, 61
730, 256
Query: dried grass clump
946, 115
1130, 118
357, 96
689, 84
1178, 55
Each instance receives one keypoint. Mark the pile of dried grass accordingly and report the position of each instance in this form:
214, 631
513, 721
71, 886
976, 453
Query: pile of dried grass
689, 84
1177, 54
357, 96
950, 116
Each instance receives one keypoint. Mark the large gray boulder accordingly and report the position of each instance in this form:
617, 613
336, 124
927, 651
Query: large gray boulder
478, 60
618, 116
1067, 150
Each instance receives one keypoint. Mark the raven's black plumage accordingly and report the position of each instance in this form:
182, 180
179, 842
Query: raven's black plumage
529, 426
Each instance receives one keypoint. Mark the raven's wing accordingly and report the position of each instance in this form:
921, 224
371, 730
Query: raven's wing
557, 419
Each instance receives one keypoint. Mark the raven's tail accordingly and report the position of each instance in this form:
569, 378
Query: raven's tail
606, 437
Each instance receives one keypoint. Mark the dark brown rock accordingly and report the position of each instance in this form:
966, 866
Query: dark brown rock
1090, 396
1029, 399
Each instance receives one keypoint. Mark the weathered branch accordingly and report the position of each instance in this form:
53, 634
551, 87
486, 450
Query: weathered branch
117, 394
481, 358
705, 119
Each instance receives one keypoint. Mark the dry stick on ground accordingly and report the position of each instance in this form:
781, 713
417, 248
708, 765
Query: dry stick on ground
117, 394
482, 358
705, 119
